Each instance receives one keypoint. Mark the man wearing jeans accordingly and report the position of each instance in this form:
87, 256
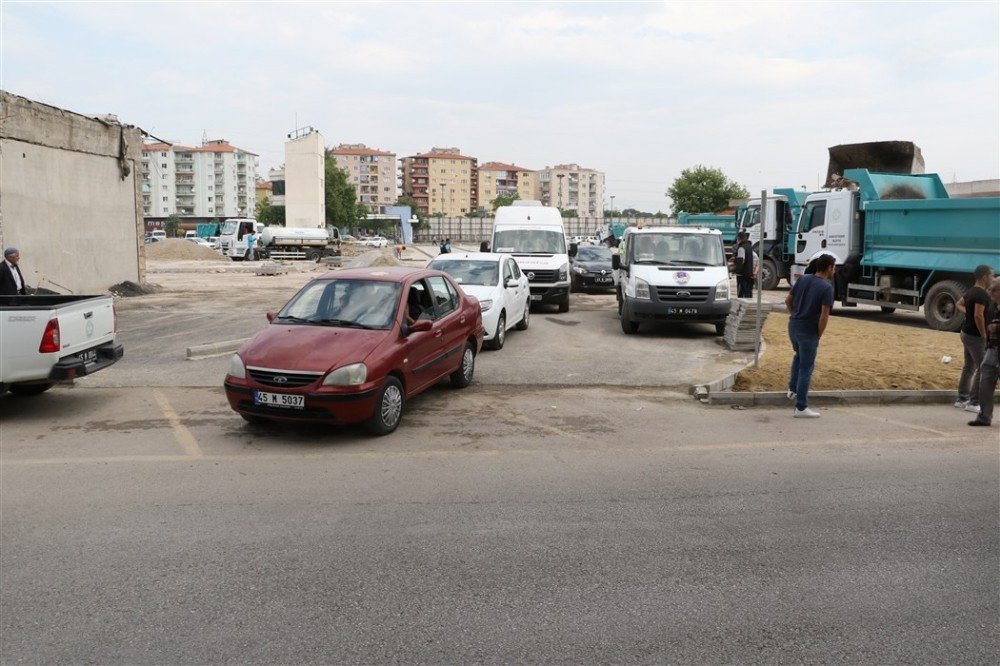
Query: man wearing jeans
809, 305
973, 305
990, 369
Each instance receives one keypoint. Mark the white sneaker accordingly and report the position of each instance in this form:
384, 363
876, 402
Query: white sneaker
790, 394
972, 408
805, 413
960, 404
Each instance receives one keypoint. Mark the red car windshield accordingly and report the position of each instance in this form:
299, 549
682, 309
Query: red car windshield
347, 303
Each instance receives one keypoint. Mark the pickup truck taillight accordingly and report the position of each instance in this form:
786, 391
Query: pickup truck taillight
50, 338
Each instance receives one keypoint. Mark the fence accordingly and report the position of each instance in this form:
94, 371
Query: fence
476, 229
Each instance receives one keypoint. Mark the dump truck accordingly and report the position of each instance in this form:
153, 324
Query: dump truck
899, 241
783, 209
725, 223
276, 242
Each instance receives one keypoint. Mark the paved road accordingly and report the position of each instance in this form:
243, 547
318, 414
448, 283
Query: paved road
499, 524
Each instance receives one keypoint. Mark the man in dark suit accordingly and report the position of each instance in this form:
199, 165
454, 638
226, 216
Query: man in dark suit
11, 280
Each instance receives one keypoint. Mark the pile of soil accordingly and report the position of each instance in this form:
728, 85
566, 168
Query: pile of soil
380, 257
860, 355
128, 288
176, 248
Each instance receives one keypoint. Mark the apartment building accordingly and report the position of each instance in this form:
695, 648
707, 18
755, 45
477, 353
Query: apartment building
496, 178
372, 172
211, 181
442, 181
572, 187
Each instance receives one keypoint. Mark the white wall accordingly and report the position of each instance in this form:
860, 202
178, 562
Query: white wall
305, 179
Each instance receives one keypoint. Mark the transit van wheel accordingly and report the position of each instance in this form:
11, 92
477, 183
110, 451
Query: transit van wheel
388, 409
629, 325
720, 328
564, 304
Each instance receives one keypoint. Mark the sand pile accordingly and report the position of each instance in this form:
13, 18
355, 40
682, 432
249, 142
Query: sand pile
380, 257
860, 355
177, 248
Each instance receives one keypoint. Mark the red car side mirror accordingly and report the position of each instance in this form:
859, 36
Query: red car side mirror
271, 316
420, 325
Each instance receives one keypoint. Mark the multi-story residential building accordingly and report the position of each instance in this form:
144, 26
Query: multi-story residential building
212, 181
442, 182
496, 178
276, 177
372, 172
572, 187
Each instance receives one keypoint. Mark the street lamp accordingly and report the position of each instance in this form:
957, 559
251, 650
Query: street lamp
560, 176
612, 205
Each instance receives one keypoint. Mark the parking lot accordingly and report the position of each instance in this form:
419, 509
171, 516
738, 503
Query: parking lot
572, 505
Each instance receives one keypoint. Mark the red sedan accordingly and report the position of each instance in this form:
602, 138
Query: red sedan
354, 345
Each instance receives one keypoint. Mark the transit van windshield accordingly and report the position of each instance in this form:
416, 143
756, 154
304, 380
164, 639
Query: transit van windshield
529, 241
678, 249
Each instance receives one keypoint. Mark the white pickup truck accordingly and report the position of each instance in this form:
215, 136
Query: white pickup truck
46, 339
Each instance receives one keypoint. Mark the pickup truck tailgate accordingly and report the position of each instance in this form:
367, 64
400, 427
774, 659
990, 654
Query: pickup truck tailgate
86, 324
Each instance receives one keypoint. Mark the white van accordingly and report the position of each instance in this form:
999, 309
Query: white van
672, 274
534, 234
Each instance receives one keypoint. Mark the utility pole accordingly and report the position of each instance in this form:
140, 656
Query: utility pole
560, 176
760, 277
612, 205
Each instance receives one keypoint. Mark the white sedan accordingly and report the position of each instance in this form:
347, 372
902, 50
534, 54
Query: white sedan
375, 241
199, 241
497, 281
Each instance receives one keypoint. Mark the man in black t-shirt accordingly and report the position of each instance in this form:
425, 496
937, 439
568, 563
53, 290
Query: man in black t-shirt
973, 334
990, 369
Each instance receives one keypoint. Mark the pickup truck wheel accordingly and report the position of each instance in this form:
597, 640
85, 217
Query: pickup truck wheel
388, 409
941, 306
564, 304
29, 389
769, 275
496, 343
463, 376
525, 320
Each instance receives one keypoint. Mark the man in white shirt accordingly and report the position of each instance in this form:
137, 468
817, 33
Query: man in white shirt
11, 280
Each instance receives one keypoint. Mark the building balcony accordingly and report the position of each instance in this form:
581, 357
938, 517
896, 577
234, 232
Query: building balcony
185, 178
182, 168
185, 190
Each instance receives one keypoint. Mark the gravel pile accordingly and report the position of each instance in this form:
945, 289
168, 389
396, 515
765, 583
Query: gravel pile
176, 248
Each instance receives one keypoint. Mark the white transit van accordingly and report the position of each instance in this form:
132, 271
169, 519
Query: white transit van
534, 234
672, 274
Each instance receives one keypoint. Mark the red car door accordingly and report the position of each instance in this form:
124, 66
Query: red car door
423, 361
453, 321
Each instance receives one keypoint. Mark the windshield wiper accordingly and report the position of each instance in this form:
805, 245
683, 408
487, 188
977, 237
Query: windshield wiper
656, 262
346, 323
693, 262
291, 318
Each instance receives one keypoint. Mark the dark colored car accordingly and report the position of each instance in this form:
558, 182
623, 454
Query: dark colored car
352, 346
591, 268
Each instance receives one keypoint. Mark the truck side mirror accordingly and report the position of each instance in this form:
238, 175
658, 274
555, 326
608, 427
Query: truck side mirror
616, 261
573, 247
484, 246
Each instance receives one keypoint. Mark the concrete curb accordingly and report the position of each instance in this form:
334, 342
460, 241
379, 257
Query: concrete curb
214, 349
888, 397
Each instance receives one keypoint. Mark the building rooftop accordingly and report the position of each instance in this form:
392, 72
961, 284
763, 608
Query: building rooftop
214, 146
357, 149
446, 154
501, 166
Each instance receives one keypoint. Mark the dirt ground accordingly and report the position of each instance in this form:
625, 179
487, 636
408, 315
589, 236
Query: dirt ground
180, 249
860, 355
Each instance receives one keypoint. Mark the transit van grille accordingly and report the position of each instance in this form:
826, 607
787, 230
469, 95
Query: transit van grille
280, 379
542, 276
683, 294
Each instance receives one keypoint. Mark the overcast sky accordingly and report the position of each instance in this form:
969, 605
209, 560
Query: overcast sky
639, 91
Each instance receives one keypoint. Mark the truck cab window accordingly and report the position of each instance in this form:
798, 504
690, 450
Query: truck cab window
814, 216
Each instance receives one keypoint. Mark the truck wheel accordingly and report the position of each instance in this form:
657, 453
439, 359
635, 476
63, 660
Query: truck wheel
940, 306
564, 304
29, 389
313, 255
388, 409
768, 275
888, 309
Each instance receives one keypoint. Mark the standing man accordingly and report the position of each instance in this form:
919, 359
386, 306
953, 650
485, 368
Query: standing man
11, 280
744, 265
990, 369
973, 335
251, 238
809, 305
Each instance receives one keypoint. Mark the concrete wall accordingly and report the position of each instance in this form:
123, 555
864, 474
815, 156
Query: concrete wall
64, 200
973, 189
305, 182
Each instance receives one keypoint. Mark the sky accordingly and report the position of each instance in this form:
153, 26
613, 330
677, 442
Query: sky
639, 91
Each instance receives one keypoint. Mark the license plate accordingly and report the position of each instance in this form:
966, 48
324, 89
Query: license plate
536, 297
682, 311
603, 280
88, 356
284, 400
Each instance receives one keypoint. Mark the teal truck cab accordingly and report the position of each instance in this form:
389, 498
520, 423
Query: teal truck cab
899, 242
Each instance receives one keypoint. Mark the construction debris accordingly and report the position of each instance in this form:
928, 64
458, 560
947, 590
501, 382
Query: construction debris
741, 324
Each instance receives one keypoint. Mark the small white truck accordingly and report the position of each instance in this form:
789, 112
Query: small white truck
47, 339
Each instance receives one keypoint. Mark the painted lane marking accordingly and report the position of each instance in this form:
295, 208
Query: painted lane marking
902, 424
181, 432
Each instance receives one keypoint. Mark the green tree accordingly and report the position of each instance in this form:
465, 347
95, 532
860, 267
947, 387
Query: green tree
172, 224
407, 200
569, 212
504, 200
704, 189
270, 215
342, 208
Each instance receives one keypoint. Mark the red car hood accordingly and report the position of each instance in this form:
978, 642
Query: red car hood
309, 348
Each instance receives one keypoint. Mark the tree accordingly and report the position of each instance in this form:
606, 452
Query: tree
407, 200
504, 200
704, 189
270, 215
342, 208
569, 212
172, 224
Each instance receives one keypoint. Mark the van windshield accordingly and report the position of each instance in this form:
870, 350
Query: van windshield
678, 249
529, 241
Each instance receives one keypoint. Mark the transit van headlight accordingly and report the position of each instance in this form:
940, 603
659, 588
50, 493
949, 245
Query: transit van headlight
722, 290
349, 375
564, 272
485, 304
236, 367
641, 289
